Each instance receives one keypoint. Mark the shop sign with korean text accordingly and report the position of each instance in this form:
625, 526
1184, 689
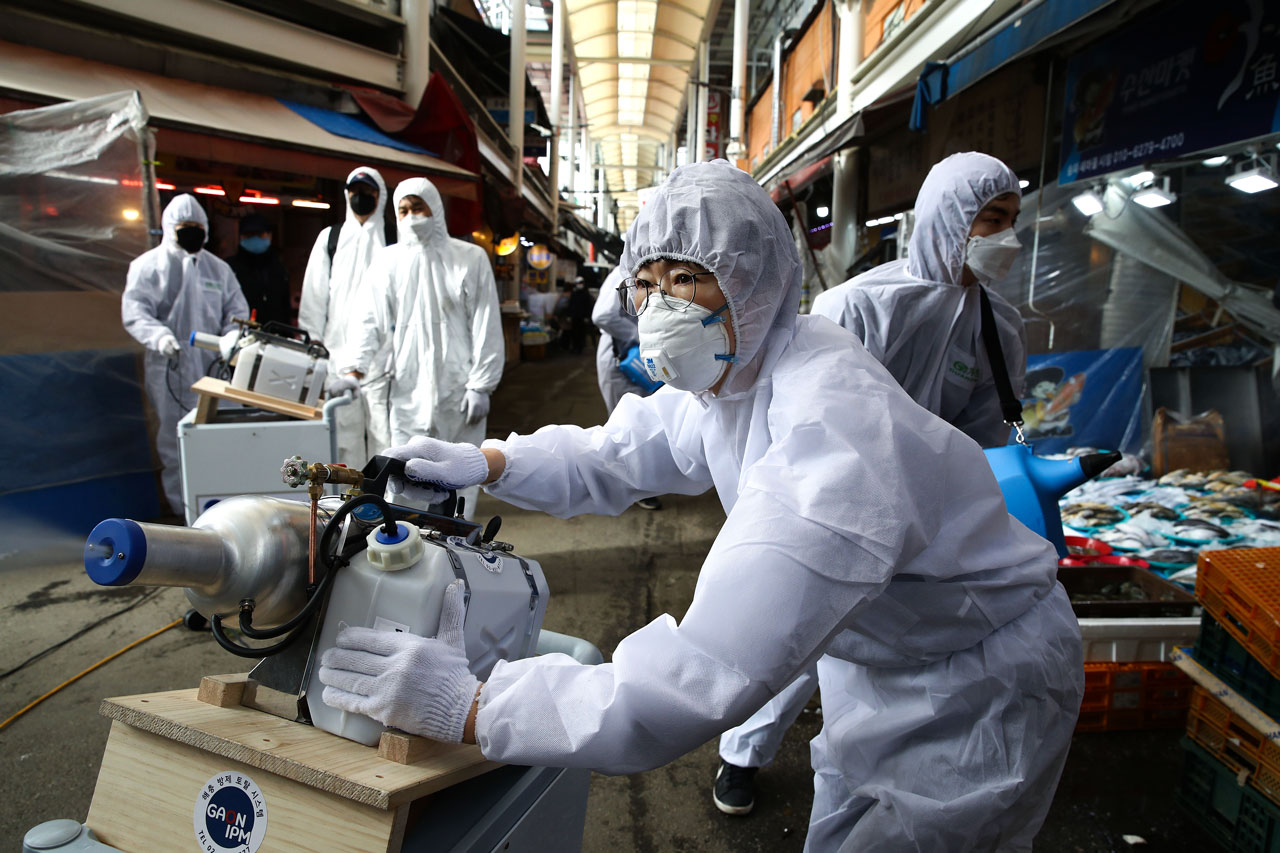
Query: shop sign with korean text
1186, 77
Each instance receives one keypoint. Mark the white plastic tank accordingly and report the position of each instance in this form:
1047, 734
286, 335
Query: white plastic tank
399, 585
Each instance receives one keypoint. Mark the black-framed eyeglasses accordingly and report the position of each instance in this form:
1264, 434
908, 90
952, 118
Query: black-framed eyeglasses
676, 289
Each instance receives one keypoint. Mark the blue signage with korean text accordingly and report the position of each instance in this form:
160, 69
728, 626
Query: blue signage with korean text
1090, 398
1183, 78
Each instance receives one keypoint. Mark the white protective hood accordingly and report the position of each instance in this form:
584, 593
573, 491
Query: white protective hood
917, 318
760, 278
183, 208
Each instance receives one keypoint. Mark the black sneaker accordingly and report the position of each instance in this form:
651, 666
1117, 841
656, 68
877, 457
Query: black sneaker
649, 503
735, 790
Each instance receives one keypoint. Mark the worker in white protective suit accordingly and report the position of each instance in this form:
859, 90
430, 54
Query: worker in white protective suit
618, 334
922, 319
173, 290
331, 308
433, 298
863, 533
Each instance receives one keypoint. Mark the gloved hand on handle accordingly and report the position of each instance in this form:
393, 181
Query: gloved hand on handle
335, 386
475, 405
433, 467
167, 346
417, 684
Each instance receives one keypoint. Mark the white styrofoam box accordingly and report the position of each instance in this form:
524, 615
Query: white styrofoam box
1139, 639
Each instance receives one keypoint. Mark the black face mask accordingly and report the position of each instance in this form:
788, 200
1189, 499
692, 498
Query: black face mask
191, 238
362, 204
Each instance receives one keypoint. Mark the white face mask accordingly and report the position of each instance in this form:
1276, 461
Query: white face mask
991, 258
687, 349
419, 225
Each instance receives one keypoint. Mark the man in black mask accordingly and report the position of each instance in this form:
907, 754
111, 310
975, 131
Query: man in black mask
330, 304
261, 273
173, 290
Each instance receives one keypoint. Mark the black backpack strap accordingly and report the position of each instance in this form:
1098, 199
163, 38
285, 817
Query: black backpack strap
1010, 405
389, 230
335, 231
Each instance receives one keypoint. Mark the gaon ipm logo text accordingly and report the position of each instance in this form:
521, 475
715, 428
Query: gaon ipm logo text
230, 815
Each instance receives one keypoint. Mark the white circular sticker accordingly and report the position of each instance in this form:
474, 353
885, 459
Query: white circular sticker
230, 815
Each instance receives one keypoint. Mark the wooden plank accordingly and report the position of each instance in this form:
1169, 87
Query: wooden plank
206, 409
147, 789
296, 751
222, 389
406, 748
225, 691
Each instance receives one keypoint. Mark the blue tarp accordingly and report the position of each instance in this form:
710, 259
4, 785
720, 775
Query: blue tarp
351, 127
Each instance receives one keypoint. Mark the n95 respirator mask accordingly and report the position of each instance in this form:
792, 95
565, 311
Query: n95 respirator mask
991, 258
685, 346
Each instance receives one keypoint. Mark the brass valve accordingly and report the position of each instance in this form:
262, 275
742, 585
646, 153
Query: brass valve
297, 471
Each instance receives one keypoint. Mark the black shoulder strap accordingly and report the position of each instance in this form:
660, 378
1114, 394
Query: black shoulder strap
389, 230
1010, 405
335, 231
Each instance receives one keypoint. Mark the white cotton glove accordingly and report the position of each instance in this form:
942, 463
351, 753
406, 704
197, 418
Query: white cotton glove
416, 684
433, 467
337, 385
475, 405
167, 345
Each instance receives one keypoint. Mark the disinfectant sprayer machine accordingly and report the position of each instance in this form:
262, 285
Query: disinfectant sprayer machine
292, 574
259, 759
270, 359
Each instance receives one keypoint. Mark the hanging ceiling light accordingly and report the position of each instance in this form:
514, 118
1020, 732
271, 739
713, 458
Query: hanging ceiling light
1216, 161
1154, 196
1139, 178
1088, 202
1260, 176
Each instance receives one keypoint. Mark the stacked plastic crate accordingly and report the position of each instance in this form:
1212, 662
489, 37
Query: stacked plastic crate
1231, 779
1130, 620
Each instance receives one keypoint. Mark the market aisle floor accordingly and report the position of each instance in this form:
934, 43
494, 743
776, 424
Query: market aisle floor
608, 577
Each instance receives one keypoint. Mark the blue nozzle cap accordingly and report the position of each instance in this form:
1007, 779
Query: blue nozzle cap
368, 513
402, 533
191, 341
115, 552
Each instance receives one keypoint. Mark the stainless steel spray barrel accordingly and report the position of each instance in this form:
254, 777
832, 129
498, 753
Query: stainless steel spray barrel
240, 548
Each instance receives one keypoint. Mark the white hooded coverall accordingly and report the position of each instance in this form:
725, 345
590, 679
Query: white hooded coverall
331, 308
863, 533
433, 298
921, 323
171, 291
616, 327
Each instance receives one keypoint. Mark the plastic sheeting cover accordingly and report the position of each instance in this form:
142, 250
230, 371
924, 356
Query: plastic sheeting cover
72, 216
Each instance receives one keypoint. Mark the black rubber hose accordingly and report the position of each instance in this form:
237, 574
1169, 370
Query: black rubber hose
317, 595
235, 648
330, 563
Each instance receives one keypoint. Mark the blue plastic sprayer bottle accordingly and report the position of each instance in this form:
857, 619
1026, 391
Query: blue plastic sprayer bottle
1032, 485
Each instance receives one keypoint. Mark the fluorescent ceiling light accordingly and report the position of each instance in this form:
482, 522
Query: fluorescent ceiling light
1154, 197
1255, 180
1213, 162
1088, 203
318, 205
823, 211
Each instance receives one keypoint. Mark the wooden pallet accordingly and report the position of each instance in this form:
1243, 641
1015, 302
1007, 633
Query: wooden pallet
322, 792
